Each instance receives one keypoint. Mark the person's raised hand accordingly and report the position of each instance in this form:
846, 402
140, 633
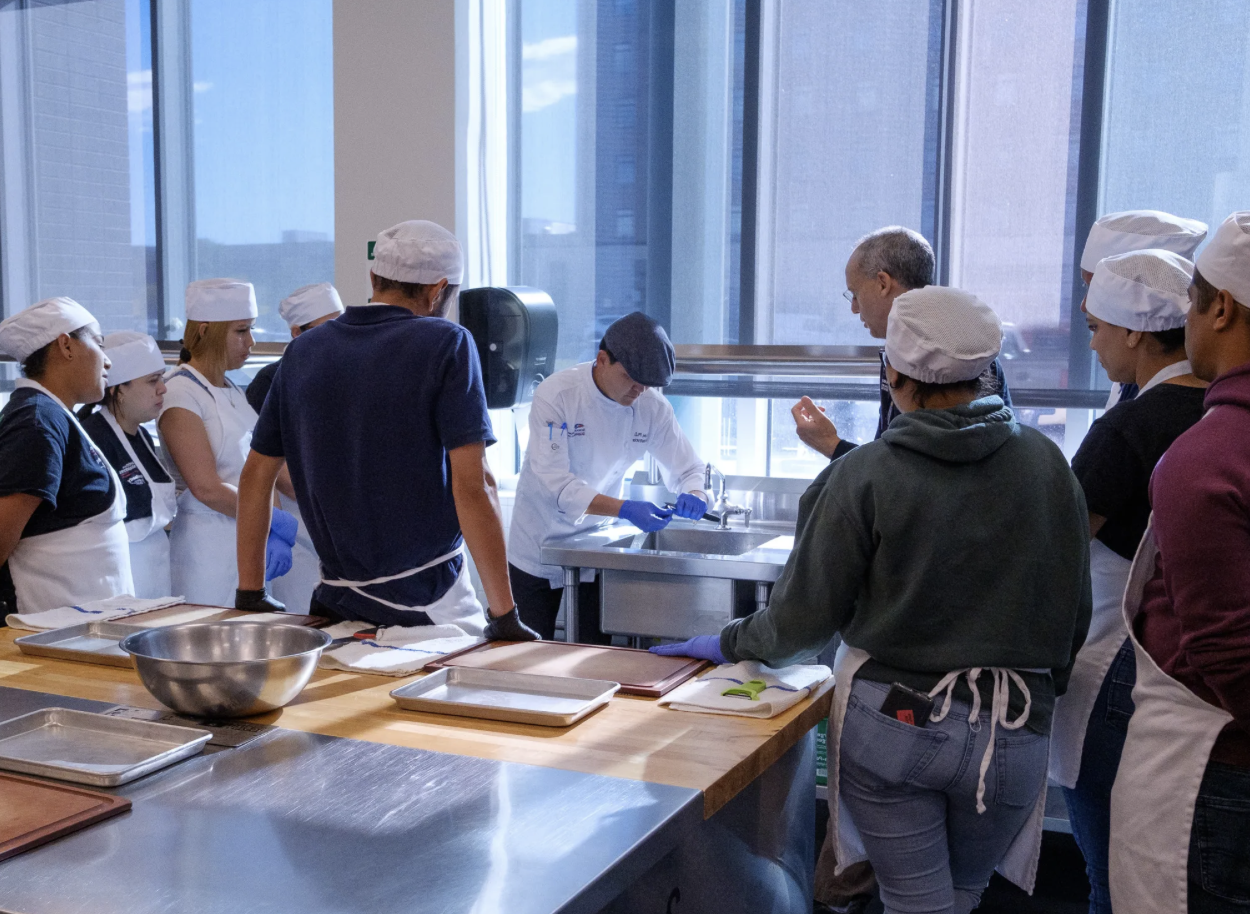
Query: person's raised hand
814, 428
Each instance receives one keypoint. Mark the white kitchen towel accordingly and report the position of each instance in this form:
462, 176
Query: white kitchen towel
786, 688
394, 650
97, 611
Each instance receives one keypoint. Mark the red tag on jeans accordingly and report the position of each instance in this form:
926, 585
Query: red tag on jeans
906, 715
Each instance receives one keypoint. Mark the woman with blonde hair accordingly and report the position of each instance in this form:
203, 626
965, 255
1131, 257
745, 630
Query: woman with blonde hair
206, 427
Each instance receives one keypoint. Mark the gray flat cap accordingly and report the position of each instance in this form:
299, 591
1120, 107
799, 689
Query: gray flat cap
642, 346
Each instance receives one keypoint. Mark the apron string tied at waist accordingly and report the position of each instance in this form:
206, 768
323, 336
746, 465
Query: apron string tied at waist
357, 585
999, 709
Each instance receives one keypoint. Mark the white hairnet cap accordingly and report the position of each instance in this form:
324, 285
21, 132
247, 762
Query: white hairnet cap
1139, 229
133, 354
418, 251
940, 335
221, 300
307, 303
1225, 262
1141, 290
28, 331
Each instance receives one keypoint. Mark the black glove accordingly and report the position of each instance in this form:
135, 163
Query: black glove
508, 627
256, 601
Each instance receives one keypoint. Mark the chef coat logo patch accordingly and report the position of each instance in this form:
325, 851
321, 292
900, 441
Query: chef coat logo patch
641, 437
578, 430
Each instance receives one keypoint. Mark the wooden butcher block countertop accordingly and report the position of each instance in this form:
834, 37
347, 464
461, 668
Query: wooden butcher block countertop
630, 738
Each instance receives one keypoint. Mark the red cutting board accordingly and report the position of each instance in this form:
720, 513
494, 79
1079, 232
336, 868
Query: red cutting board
34, 812
638, 672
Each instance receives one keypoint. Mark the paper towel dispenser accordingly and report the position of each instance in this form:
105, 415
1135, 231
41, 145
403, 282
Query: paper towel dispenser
515, 330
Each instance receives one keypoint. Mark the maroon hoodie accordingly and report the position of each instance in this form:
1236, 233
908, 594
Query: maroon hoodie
1195, 617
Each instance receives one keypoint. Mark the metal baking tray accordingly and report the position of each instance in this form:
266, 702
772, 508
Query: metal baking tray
90, 642
548, 701
92, 749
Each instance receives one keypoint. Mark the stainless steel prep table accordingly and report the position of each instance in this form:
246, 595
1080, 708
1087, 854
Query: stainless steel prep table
299, 822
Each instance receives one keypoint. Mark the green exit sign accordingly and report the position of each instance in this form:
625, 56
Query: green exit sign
371, 244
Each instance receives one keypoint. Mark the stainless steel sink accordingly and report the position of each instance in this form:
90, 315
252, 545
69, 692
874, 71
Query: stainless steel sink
695, 542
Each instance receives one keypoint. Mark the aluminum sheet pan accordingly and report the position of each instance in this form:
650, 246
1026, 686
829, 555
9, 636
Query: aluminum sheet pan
91, 642
548, 701
93, 749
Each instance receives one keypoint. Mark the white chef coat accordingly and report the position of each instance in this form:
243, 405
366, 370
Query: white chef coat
581, 444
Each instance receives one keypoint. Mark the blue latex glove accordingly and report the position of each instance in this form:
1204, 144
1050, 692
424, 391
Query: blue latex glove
284, 526
700, 647
646, 516
277, 556
691, 507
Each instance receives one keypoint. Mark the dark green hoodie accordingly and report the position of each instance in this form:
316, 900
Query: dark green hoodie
958, 539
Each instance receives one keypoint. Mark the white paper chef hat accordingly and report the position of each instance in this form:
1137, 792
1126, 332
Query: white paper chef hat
31, 329
221, 300
1139, 229
133, 354
418, 251
307, 303
1225, 262
940, 335
1141, 290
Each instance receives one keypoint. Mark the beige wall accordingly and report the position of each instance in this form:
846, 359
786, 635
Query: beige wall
394, 125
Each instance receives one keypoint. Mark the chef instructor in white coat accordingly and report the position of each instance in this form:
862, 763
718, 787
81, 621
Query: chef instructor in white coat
135, 395
589, 425
62, 510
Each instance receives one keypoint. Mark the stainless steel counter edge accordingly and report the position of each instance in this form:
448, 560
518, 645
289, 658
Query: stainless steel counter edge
590, 550
298, 822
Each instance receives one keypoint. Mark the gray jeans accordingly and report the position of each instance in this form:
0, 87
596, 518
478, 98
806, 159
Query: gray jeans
912, 794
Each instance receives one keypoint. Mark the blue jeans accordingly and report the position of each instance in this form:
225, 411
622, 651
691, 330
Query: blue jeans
912, 794
1089, 802
1219, 845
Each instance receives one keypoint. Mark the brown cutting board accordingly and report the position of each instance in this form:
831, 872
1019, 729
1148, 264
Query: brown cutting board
34, 812
638, 672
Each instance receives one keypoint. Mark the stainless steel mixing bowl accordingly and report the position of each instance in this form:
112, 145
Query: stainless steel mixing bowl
225, 669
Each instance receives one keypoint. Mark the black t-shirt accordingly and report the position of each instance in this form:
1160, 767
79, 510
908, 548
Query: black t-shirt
258, 389
134, 481
1119, 453
42, 453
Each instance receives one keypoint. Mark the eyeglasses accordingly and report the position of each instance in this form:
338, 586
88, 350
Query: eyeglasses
849, 296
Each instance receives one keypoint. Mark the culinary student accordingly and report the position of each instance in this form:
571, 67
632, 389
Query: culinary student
206, 427
1135, 309
1180, 807
381, 417
589, 425
62, 510
135, 394
305, 308
962, 597
1138, 230
883, 265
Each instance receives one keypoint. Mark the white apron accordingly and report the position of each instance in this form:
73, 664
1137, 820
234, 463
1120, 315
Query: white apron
149, 543
89, 561
203, 557
459, 606
1169, 741
295, 588
1020, 862
1108, 577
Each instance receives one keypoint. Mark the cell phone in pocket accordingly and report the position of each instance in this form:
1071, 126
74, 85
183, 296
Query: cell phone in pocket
907, 705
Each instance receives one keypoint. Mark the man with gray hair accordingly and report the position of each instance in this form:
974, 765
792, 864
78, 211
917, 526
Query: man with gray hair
885, 264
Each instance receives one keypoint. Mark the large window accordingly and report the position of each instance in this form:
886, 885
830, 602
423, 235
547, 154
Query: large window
146, 143
77, 185
262, 81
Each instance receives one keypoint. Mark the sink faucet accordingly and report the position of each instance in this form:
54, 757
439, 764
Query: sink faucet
723, 506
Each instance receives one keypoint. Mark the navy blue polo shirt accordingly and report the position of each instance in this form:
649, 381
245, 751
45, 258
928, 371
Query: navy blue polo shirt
43, 453
364, 409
